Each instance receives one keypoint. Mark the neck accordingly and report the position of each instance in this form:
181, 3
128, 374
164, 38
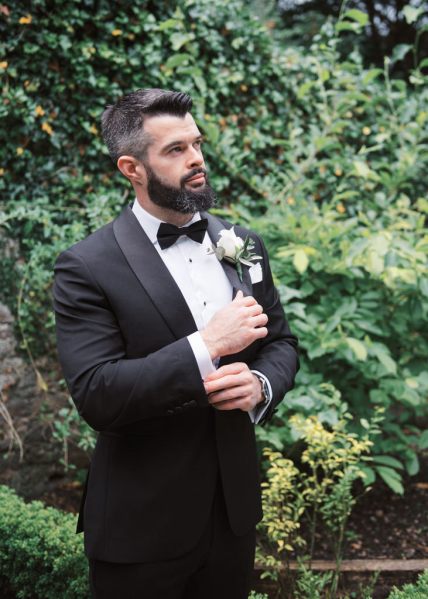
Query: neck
165, 214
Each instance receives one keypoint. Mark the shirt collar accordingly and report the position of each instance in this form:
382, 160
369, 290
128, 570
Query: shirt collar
150, 224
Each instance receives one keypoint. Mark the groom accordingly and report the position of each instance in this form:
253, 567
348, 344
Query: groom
172, 355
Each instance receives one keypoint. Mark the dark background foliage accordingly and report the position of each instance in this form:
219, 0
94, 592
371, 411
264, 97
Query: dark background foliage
386, 30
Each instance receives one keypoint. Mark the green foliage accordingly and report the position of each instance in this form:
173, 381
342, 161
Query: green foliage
69, 427
311, 584
355, 289
326, 158
40, 554
62, 65
412, 591
382, 27
315, 491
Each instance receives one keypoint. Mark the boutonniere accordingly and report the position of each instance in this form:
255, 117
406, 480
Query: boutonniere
235, 250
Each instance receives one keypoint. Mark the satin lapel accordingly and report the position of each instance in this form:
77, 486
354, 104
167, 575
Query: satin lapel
153, 275
214, 228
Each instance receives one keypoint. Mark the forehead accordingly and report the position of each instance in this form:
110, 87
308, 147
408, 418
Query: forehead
166, 128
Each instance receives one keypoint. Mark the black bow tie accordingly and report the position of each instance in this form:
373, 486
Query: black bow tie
168, 234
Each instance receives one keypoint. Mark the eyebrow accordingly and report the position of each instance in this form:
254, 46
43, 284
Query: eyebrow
179, 143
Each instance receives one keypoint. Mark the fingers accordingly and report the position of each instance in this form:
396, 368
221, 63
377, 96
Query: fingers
226, 383
229, 382
260, 320
242, 403
231, 387
234, 368
244, 300
254, 310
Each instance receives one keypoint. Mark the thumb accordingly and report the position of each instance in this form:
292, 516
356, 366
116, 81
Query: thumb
238, 296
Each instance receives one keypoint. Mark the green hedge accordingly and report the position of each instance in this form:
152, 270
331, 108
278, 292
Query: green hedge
282, 125
40, 554
412, 591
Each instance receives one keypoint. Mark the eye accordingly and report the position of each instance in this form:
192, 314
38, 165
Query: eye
175, 150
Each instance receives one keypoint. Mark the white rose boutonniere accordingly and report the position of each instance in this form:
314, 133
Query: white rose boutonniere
236, 250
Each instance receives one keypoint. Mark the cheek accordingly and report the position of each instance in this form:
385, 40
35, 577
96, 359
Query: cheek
171, 172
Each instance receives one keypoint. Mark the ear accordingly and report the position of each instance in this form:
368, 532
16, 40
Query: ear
132, 169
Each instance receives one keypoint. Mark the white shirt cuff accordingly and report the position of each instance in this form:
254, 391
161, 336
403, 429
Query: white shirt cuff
201, 354
257, 413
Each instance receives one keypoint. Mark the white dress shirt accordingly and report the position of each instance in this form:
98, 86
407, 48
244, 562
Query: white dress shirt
203, 283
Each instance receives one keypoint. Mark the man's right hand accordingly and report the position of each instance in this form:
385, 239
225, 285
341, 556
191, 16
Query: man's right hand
235, 327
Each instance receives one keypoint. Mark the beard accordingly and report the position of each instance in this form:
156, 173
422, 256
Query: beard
180, 199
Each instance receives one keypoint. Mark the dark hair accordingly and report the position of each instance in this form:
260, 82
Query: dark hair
123, 123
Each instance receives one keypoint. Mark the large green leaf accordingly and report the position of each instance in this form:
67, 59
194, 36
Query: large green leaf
357, 15
387, 460
391, 478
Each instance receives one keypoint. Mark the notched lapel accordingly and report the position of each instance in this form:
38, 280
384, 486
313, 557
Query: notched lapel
153, 275
214, 228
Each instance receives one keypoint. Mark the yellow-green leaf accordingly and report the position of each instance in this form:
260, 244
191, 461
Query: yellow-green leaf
41, 383
357, 15
300, 261
362, 169
357, 347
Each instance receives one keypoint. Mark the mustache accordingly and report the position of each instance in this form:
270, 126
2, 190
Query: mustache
193, 172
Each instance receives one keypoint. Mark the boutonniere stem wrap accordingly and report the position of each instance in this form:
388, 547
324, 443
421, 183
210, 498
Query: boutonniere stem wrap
235, 250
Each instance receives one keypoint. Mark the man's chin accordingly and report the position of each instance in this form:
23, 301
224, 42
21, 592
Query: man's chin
197, 185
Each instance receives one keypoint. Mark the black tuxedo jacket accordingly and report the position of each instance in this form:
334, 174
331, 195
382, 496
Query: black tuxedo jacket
122, 324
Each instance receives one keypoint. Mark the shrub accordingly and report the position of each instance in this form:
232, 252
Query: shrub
40, 554
356, 293
412, 591
317, 491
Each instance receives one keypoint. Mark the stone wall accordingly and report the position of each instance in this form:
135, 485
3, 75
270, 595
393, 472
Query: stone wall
30, 457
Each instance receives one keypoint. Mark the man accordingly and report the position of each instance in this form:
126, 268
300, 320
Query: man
172, 355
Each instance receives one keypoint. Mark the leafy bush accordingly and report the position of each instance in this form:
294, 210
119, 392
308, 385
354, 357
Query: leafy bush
314, 491
412, 591
40, 554
356, 291
280, 124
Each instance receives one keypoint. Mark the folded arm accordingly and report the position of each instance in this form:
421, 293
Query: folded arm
109, 389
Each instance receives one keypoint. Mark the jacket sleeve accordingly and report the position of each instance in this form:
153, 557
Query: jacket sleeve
277, 356
110, 390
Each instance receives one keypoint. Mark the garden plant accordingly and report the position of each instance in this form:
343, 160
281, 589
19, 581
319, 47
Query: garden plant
324, 157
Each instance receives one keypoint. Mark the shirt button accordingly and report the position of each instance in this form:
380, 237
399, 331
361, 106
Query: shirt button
205, 303
190, 260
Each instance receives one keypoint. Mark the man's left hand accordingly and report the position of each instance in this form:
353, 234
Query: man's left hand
233, 387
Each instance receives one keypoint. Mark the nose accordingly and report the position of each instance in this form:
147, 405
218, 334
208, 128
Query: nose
195, 158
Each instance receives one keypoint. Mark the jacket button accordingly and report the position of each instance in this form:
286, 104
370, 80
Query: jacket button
178, 409
192, 403
170, 412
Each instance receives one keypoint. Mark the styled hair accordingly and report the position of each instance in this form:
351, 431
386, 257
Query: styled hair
122, 124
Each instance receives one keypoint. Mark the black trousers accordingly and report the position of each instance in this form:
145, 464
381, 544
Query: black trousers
219, 567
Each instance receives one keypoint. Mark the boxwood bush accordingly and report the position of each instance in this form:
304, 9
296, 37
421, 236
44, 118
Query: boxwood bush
41, 556
419, 590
